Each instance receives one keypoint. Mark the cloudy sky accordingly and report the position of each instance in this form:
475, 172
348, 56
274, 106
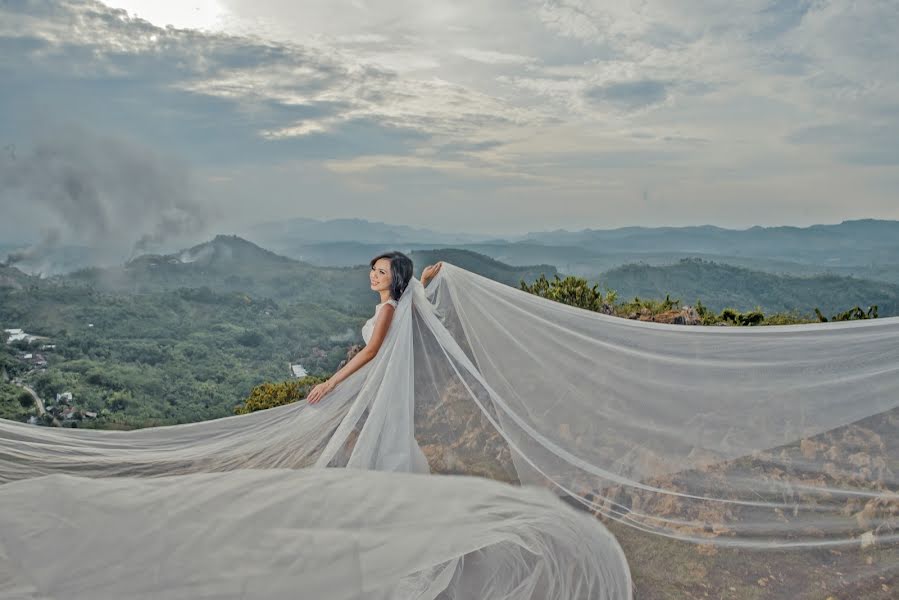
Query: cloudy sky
131, 117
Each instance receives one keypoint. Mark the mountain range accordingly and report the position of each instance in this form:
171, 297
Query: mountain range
231, 264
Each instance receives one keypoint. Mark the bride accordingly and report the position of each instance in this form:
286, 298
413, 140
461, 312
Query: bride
389, 276
739, 439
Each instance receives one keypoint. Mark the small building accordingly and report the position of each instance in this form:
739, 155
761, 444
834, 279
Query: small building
64, 397
298, 371
18, 334
90, 414
14, 335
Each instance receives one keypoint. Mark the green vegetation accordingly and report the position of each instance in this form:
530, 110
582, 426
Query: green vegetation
852, 314
170, 356
572, 290
17, 404
576, 291
269, 395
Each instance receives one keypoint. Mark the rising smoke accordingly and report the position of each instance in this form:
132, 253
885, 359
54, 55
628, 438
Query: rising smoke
115, 196
50, 240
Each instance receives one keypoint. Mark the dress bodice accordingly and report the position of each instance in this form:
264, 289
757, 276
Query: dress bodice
369, 326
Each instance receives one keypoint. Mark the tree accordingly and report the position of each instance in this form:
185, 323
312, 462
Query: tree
26, 400
269, 395
574, 291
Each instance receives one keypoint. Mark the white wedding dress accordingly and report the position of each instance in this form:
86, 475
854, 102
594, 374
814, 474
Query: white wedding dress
369, 326
763, 438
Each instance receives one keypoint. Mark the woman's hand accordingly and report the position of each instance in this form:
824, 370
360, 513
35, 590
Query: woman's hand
429, 272
319, 391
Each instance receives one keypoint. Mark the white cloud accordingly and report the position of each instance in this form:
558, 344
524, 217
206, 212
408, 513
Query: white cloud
491, 57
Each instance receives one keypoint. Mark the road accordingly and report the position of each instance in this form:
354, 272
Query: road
37, 400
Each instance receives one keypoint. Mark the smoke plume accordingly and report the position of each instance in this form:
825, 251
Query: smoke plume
102, 192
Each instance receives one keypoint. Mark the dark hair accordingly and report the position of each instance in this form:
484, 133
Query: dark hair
401, 272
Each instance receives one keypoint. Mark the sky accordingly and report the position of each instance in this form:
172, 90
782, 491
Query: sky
130, 120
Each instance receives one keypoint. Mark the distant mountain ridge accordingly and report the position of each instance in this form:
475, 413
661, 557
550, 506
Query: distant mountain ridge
306, 231
859, 242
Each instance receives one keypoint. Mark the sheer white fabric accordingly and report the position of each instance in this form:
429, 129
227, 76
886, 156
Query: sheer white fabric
330, 534
756, 438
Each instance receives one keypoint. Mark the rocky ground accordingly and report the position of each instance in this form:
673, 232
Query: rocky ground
861, 455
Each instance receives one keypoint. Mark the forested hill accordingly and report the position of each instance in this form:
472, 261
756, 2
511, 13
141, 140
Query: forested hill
233, 264
721, 286
11, 277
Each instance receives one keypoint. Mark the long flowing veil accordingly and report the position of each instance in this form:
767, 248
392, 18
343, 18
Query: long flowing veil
757, 441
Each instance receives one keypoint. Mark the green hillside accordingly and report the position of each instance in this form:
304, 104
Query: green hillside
721, 286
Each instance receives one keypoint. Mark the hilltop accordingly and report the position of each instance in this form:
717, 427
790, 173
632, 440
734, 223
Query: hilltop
222, 253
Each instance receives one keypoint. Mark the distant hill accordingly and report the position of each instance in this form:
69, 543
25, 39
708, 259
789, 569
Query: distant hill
518, 254
281, 235
480, 264
223, 253
11, 277
721, 286
866, 248
54, 260
862, 242
230, 263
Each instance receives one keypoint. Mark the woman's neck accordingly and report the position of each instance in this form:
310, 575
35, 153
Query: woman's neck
385, 296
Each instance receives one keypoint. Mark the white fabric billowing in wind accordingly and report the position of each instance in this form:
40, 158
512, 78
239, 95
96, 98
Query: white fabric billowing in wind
336, 534
758, 438
708, 418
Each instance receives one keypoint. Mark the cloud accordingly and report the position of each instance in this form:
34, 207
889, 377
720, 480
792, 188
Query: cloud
629, 94
858, 143
491, 57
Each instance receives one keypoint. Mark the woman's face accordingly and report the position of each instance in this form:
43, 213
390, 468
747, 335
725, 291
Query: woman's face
380, 275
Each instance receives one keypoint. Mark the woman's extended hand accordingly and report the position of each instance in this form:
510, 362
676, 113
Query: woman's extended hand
319, 391
429, 272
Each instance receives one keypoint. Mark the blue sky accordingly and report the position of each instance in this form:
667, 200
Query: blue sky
498, 117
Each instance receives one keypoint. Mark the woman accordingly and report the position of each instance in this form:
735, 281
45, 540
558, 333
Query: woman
389, 276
